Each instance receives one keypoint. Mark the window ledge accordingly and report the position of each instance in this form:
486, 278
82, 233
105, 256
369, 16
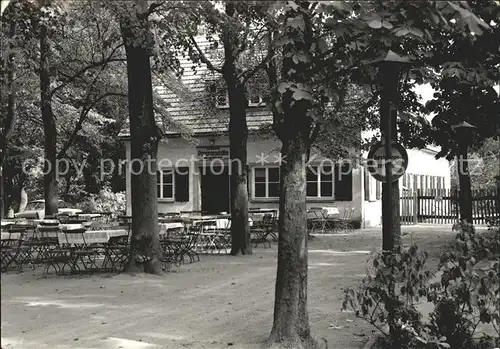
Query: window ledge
265, 199
317, 199
166, 200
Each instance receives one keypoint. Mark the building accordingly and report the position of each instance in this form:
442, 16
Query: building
193, 159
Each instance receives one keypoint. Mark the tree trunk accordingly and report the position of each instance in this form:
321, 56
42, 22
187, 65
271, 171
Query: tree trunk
90, 172
238, 135
10, 115
465, 193
23, 201
49, 125
2, 195
145, 251
291, 322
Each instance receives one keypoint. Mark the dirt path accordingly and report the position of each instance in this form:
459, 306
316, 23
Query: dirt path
220, 302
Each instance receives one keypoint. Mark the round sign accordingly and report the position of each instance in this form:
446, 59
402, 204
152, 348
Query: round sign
376, 161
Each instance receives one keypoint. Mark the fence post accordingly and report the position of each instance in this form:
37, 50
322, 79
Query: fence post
415, 207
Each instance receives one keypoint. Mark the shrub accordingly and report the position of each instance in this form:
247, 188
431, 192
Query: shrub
468, 292
464, 295
388, 295
105, 201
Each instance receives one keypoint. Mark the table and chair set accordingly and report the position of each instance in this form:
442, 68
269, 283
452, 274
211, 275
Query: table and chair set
329, 219
76, 245
64, 247
89, 244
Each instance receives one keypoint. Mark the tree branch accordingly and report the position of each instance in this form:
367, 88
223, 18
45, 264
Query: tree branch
249, 73
83, 116
154, 6
203, 57
88, 67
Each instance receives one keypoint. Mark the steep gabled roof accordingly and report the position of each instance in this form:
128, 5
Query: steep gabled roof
189, 109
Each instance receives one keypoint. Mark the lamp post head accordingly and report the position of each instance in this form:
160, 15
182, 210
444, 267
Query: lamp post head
390, 57
464, 130
464, 126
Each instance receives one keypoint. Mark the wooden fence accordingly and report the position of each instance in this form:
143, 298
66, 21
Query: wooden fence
440, 206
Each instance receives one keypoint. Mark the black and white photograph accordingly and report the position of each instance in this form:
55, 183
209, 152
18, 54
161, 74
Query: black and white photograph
250, 174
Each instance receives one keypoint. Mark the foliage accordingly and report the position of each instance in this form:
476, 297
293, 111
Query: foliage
464, 292
483, 166
388, 295
469, 289
105, 201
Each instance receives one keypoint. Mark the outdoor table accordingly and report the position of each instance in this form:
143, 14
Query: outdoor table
330, 211
89, 216
218, 223
80, 247
91, 237
11, 236
165, 227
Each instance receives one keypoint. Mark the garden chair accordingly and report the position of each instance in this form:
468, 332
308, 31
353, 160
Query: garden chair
316, 219
116, 253
345, 222
10, 248
263, 226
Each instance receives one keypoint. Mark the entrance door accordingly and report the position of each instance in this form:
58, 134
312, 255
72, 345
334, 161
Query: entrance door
214, 189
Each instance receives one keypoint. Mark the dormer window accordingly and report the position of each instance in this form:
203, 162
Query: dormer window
221, 97
219, 94
222, 100
255, 100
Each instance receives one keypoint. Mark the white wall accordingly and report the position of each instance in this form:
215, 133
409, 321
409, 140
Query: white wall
420, 162
179, 151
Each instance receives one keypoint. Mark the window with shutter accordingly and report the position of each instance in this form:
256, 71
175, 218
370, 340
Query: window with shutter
165, 183
343, 183
182, 184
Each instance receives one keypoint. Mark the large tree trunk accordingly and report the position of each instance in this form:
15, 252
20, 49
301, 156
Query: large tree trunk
465, 192
238, 135
145, 251
291, 321
10, 115
49, 124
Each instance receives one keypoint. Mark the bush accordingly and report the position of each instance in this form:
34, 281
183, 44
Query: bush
105, 201
464, 295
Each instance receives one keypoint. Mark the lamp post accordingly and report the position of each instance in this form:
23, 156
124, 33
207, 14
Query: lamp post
389, 68
464, 133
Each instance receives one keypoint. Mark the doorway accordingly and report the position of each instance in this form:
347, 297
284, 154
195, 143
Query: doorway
215, 189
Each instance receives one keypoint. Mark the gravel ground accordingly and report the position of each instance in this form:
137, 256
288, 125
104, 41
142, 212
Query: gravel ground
220, 302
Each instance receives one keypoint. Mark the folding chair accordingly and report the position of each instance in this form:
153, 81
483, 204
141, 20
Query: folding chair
316, 219
10, 247
345, 223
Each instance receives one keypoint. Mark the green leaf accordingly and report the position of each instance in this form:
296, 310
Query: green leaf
296, 22
302, 94
402, 31
282, 87
375, 23
387, 24
417, 32
292, 5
